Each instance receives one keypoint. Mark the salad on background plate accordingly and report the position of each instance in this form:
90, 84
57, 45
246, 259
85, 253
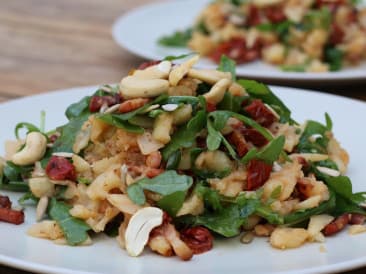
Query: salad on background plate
174, 157
298, 36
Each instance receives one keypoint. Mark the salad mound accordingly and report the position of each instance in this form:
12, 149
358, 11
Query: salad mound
173, 157
301, 36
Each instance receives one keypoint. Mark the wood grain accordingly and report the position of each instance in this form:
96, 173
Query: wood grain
48, 45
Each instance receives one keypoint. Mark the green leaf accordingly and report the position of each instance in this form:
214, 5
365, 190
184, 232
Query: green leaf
114, 120
65, 142
251, 154
231, 103
211, 197
319, 145
272, 150
227, 222
172, 203
228, 65
261, 91
334, 57
214, 137
165, 184
320, 18
136, 193
127, 116
329, 123
77, 109
177, 39
174, 160
302, 215
182, 56
185, 136
75, 230
30, 128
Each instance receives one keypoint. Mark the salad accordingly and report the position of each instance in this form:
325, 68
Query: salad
173, 157
300, 36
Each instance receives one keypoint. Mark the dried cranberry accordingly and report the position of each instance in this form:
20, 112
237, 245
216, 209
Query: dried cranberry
254, 17
260, 113
254, 136
337, 225
258, 173
198, 239
236, 49
59, 168
238, 140
5, 202
11, 216
275, 14
96, 102
336, 34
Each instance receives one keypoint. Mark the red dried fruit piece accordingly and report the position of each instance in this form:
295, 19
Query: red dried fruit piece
258, 173
198, 239
337, 225
96, 102
357, 219
275, 14
260, 113
11, 216
237, 139
236, 49
5, 202
133, 104
59, 168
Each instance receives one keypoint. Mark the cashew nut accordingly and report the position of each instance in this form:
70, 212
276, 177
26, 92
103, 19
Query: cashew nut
217, 92
135, 87
34, 149
159, 71
139, 228
180, 71
41, 187
209, 76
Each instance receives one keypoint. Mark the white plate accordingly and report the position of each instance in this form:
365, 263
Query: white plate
139, 30
228, 256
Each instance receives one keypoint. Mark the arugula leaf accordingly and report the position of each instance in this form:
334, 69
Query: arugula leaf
174, 160
127, 116
30, 128
165, 184
211, 197
302, 215
320, 144
321, 18
334, 57
272, 150
185, 136
75, 230
79, 108
228, 220
261, 91
214, 137
231, 103
228, 65
182, 56
173, 202
114, 120
177, 39
65, 142
12, 177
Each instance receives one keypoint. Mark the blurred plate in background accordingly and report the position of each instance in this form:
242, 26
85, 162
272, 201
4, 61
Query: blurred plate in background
139, 30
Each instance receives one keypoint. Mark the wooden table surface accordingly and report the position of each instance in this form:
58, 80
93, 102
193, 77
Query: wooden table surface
48, 45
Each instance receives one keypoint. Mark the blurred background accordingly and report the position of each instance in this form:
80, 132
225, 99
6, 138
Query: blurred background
48, 45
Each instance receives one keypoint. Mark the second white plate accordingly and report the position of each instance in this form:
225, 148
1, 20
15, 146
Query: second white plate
139, 30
